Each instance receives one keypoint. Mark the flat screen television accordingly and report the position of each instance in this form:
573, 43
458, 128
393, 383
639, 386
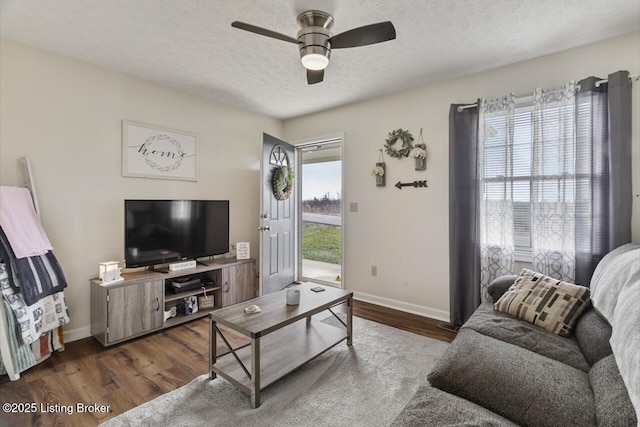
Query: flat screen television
162, 231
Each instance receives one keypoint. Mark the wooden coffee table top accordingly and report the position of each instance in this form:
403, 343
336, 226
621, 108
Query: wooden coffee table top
275, 312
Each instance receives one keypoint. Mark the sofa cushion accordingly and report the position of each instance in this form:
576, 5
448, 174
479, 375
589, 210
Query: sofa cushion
606, 260
432, 407
487, 321
625, 337
613, 406
593, 333
500, 285
619, 273
544, 301
524, 387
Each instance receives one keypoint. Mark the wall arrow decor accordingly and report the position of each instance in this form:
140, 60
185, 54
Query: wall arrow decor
415, 184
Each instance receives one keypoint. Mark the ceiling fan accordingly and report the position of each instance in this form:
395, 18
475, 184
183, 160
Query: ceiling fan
315, 39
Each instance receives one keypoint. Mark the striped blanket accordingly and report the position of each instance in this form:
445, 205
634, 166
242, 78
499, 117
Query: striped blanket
21, 354
35, 277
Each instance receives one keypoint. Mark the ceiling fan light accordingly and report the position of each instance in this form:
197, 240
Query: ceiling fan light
315, 61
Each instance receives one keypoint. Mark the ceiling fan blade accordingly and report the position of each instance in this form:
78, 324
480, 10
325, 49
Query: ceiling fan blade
363, 36
315, 76
263, 32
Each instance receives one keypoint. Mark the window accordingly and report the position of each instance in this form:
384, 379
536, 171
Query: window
508, 169
552, 184
509, 160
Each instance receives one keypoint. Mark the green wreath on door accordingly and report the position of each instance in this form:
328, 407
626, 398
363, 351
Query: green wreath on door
282, 182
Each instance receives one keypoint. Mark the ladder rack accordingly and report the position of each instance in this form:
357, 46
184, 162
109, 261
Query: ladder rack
5, 351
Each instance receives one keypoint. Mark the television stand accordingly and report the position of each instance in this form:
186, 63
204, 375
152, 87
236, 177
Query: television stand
136, 305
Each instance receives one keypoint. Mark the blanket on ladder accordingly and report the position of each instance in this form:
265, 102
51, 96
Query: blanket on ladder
36, 319
21, 354
35, 277
21, 224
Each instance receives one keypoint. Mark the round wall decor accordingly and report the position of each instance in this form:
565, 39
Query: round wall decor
391, 140
282, 182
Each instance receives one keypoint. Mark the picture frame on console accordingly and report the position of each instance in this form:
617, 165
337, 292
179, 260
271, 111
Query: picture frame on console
150, 151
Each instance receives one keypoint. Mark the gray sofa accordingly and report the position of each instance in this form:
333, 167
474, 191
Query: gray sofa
501, 371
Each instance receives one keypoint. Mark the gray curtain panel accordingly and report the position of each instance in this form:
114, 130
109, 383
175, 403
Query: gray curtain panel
603, 169
464, 245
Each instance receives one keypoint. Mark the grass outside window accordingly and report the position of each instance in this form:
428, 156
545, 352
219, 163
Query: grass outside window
321, 243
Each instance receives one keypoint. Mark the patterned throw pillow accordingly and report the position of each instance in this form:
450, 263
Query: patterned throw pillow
546, 302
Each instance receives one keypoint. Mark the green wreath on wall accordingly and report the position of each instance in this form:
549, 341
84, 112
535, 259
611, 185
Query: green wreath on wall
406, 138
282, 182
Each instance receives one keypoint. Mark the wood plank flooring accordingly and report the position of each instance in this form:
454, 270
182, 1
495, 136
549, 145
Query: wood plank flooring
129, 374
420, 325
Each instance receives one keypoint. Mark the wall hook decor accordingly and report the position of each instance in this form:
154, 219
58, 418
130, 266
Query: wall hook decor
415, 184
419, 153
379, 171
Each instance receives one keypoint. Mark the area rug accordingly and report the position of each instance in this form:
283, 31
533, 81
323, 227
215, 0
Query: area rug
367, 384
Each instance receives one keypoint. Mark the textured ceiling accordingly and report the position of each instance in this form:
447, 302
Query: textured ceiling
190, 44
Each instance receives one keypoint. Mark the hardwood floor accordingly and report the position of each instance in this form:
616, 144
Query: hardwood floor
127, 375
399, 319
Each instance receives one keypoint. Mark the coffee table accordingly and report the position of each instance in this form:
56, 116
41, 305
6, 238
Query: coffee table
283, 337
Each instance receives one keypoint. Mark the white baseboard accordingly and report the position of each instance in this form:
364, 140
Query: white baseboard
71, 335
403, 306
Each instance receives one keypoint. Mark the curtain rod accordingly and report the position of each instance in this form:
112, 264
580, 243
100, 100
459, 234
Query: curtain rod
632, 77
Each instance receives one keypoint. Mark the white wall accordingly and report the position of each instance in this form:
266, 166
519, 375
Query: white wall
405, 233
66, 116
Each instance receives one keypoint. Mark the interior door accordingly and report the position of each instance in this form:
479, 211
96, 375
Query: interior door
277, 219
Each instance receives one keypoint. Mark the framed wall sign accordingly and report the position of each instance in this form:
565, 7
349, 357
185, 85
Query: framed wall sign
155, 152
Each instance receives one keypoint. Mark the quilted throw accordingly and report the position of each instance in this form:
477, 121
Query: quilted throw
34, 320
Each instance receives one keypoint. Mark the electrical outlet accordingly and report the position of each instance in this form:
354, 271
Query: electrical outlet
353, 207
374, 270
